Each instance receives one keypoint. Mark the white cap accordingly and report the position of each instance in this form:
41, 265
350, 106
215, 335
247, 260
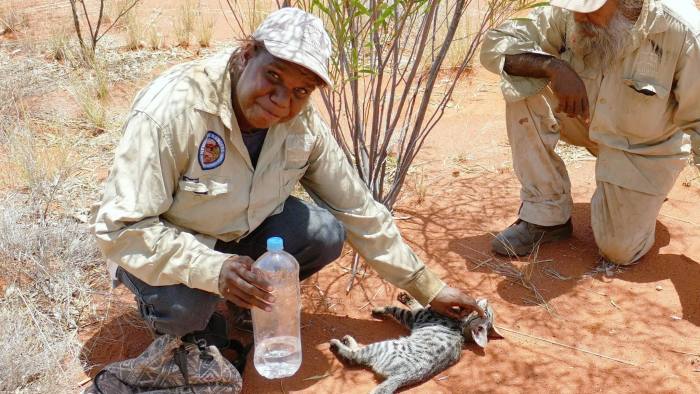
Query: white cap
299, 37
584, 6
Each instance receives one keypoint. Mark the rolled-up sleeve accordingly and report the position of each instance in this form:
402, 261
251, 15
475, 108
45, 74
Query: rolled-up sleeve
687, 94
127, 223
370, 228
542, 32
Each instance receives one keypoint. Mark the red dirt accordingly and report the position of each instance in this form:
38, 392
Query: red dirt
644, 317
636, 332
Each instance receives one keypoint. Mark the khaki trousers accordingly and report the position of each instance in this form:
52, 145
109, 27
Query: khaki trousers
623, 220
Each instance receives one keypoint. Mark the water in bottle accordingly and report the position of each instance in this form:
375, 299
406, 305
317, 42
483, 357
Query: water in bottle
276, 333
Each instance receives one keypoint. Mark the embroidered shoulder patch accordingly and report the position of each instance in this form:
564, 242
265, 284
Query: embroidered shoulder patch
212, 151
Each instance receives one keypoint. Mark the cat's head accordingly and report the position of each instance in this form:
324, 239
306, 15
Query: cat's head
480, 329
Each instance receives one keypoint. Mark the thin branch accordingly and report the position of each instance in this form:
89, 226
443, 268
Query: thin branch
239, 22
568, 346
99, 23
76, 23
121, 14
87, 18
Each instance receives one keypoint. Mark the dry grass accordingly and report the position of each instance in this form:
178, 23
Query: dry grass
58, 44
49, 265
11, 20
135, 30
153, 36
50, 270
522, 274
114, 9
185, 22
204, 29
155, 39
87, 97
421, 185
572, 153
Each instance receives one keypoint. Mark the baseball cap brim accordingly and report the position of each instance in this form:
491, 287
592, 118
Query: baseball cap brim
584, 6
282, 51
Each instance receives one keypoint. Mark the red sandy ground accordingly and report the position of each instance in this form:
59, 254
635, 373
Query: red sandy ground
636, 332
645, 317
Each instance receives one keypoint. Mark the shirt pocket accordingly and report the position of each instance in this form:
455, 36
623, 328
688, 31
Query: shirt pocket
297, 149
289, 179
643, 111
212, 186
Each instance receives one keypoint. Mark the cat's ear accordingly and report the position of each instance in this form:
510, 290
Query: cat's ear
494, 333
480, 334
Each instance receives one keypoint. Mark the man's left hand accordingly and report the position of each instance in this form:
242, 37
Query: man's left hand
455, 304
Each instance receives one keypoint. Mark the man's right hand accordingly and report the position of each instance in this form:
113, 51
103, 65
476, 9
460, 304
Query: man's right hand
569, 89
240, 284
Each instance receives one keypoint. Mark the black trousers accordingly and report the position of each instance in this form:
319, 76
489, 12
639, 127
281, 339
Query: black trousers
310, 233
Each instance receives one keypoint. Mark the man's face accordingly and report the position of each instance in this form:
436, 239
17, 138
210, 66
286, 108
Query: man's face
270, 90
600, 18
600, 36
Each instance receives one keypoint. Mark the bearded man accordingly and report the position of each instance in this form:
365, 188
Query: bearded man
618, 77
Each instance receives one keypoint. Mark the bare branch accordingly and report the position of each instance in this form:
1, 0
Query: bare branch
121, 14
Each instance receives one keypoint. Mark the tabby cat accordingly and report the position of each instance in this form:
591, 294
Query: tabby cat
435, 343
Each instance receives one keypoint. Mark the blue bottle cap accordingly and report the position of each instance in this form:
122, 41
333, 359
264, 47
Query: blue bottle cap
275, 244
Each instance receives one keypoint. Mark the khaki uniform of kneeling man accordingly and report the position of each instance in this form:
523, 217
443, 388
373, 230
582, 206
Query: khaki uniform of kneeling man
618, 77
203, 174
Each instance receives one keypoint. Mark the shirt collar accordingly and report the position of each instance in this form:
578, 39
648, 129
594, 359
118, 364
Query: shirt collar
218, 101
652, 20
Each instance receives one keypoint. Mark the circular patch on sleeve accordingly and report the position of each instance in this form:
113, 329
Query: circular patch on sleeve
212, 151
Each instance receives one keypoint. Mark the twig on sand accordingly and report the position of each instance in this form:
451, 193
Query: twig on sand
372, 299
686, 353
679, 219
607, 268
552, 273
353, 272
318, 377
508, 270
568, 346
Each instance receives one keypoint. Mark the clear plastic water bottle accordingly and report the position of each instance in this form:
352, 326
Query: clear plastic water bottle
276, 333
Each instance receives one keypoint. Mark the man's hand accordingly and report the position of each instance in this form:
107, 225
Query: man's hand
566, 84
243, 286
569, 89
455, 304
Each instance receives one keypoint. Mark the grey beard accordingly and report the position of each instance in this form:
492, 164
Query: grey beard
606, 44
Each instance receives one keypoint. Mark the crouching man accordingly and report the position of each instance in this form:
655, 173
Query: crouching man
203, 174
618, 77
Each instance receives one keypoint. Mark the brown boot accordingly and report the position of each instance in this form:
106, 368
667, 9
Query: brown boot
522, 237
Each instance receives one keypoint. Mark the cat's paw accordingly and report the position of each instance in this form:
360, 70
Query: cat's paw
335, 344
378, 312
404, 298
348, 341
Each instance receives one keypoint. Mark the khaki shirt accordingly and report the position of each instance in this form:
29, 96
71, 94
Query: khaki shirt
182, 179
642, 133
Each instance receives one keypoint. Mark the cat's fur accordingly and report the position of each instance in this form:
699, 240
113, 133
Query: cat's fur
435, 343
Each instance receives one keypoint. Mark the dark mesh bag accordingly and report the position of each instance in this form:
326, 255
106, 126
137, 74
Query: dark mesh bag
171, 366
